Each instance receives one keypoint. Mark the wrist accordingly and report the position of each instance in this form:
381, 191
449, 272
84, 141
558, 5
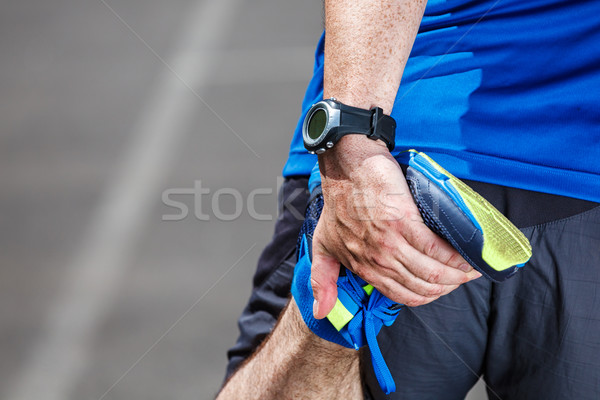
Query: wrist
350, 154
328, 121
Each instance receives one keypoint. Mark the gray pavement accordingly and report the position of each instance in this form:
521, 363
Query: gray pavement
106, 106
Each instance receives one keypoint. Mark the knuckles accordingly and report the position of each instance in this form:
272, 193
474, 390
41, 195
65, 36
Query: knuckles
455, 259
316, 286
406, 220
432, 248
377, 259
434, 276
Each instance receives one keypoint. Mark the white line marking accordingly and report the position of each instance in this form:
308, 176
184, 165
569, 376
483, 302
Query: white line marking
174, 324
60, 356
185, 82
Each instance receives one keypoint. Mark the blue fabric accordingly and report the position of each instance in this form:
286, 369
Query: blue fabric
374, 312
371, 312
502, 92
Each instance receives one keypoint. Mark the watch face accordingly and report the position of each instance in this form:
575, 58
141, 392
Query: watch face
317, 123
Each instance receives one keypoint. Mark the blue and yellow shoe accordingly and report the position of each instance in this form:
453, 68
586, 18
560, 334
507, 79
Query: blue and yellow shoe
482, 235
477, 230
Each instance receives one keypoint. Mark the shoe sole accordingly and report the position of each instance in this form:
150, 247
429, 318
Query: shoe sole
475, 228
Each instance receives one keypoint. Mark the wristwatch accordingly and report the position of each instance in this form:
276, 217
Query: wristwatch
327, 121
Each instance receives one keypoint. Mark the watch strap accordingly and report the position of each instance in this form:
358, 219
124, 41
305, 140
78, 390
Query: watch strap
373, 123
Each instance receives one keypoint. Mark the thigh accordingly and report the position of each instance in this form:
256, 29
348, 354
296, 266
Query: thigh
435, 351
544, 340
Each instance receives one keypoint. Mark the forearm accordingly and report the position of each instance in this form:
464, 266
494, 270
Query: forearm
367, 44
294, 363
370, 223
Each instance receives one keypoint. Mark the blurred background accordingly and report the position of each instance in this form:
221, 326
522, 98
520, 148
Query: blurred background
129, 131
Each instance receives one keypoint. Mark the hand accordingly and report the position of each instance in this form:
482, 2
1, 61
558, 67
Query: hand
372, 226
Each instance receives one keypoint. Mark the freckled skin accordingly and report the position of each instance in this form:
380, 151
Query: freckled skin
367, 44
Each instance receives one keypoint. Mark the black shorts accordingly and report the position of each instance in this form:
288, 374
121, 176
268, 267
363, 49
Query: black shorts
535, 336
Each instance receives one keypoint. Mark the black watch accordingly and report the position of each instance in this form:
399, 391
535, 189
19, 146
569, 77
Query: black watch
329, 120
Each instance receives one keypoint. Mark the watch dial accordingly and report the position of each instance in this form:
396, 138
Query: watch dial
317, 124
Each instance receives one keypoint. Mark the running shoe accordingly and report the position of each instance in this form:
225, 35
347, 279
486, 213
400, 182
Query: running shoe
481, 234
477, 230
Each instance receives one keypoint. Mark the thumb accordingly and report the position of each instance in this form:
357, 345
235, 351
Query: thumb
324, 274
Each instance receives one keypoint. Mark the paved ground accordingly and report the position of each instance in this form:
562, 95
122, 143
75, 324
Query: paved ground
105, 108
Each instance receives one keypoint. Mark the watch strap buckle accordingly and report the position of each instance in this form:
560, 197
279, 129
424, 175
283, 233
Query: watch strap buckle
377, 130
376, 113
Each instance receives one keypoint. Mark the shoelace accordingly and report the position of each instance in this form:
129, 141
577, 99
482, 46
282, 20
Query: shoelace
378, 310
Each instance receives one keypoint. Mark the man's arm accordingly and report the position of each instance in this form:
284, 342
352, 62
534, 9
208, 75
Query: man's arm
370, 222
366, 47
293, 363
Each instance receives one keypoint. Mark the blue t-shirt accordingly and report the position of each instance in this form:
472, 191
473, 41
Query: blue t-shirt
504, 92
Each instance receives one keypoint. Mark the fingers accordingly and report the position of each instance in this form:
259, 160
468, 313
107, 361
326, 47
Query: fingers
324, 274
430, 244
392, 269
401, 285
408, 276
433, 271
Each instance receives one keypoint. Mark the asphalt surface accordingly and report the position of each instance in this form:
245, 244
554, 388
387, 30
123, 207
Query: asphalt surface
130, 133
